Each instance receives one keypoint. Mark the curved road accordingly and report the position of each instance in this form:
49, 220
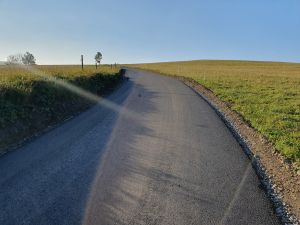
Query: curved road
175, 163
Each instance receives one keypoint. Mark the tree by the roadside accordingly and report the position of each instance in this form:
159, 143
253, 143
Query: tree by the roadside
98, 58
28, 59
15, 59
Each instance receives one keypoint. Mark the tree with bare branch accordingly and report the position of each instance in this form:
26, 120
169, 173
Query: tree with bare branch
98, 58
15, 59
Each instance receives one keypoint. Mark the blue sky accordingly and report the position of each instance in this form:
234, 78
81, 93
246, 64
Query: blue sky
131, 31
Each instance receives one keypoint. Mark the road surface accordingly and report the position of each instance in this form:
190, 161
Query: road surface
174, 163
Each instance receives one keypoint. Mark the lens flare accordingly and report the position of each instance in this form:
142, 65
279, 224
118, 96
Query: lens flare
79, 91
236, 194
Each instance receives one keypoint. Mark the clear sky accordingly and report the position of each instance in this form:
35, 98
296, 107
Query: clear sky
131, 31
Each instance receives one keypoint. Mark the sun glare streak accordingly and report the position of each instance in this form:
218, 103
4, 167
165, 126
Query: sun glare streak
236, 195
79, 91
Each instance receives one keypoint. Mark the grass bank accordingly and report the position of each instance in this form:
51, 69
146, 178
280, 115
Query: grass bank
266, 94
29, 103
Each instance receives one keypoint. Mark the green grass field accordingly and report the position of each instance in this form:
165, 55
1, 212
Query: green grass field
30, 103
266, 94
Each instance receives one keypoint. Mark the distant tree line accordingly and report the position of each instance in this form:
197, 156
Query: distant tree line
25, 59
29, 59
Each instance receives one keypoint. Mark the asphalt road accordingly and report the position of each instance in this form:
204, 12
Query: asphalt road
174, 163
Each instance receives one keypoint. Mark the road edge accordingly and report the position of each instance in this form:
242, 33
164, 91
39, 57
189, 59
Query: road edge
287, 212
282, 210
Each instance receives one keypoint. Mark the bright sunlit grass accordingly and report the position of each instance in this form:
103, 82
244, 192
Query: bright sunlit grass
266, 94
16, 76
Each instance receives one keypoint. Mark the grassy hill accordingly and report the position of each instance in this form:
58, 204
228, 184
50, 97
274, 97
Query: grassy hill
266, 94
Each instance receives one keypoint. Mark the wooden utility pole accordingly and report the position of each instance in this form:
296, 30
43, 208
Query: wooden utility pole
82, 62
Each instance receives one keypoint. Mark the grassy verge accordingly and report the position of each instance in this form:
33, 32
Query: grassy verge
29, 103
266, 94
